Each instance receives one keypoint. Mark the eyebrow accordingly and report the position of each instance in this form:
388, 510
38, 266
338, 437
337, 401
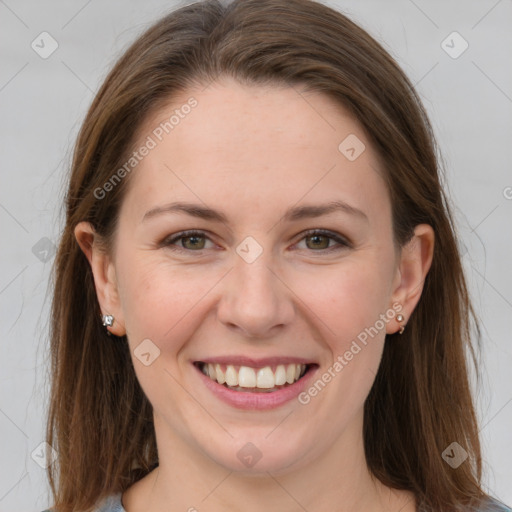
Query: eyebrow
292, 214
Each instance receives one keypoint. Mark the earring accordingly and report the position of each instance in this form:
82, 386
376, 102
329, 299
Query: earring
108, 320
400, 318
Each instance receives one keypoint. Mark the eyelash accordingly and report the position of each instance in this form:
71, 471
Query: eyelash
342, 242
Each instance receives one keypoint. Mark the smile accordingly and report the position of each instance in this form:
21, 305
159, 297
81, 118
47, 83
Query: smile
246, 378
255, 387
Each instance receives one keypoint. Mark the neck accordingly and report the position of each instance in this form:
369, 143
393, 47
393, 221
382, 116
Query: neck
338, 480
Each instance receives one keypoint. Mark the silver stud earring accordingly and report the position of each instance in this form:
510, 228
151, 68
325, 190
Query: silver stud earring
108, 320
400, 318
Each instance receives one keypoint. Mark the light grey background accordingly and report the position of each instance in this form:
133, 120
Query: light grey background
43, 102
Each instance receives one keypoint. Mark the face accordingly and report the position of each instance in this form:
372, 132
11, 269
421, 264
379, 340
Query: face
266, 279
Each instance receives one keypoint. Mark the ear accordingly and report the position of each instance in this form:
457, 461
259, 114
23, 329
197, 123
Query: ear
415, 260
104, 276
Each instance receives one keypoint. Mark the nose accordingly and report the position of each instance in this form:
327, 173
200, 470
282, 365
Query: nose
255, 299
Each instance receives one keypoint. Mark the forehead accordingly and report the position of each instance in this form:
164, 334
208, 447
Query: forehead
238, 144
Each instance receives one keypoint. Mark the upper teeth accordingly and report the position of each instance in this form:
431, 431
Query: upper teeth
247, 377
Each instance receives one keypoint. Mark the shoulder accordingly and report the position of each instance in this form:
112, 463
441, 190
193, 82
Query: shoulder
111, 503
487, 505
490, 505
494, 505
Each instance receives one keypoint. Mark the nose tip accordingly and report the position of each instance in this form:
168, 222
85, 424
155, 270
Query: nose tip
254, 301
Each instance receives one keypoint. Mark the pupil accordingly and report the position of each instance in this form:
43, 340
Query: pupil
194, 238
317, 237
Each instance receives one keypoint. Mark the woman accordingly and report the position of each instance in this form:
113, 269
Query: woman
259, 302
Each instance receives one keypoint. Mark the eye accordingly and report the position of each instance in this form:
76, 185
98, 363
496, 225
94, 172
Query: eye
190, 241
320, 239
317, 240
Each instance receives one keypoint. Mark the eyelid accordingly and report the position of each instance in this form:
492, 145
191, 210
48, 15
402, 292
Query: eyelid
168, 241
342, 242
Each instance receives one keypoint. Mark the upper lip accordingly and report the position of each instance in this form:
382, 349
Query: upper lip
253, 362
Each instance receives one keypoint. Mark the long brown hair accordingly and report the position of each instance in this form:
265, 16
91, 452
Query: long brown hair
100, 422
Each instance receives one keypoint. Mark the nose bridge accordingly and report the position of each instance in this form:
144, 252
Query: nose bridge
254, 300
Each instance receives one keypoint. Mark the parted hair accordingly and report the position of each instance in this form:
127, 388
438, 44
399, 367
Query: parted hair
99, 420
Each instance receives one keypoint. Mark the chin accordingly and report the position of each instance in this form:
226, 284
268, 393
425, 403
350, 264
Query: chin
255, 455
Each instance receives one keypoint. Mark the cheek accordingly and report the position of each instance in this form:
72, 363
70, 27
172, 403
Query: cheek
347, 298
349, 302
163, 304
160, 299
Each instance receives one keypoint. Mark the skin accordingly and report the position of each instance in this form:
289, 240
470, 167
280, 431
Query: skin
252, 152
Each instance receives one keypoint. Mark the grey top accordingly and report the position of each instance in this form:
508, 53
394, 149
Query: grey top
110, 504
113, 504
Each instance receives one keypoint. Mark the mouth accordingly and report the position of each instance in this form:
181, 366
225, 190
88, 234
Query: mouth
249, 379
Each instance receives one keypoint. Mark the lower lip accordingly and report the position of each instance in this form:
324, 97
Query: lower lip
257, 401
